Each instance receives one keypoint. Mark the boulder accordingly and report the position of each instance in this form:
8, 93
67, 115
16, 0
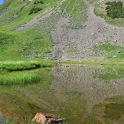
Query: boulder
45, 118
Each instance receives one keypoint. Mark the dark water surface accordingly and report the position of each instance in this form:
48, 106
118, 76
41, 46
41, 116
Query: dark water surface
81, 94
2, 119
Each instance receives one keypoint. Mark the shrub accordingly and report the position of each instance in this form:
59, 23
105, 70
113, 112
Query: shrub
38, 1
35, 10
115, 9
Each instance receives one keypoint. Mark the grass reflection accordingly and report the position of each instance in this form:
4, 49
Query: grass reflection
109, 73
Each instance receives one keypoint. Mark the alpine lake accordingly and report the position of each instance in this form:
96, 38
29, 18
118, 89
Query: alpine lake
82, 94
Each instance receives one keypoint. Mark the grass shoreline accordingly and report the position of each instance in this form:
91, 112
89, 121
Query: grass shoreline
17, 65
27, 71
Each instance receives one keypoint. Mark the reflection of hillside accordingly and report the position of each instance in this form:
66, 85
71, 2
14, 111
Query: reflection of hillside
80, 79
15, 106
109, 73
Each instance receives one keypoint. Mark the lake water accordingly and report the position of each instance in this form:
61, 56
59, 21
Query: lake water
81, 94
2, 119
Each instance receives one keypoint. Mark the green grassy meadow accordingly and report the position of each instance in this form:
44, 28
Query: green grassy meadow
35, 41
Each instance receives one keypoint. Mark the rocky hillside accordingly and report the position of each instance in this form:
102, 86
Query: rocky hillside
59, 29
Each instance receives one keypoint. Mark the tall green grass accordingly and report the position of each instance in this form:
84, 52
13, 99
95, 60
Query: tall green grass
20, 65
22, 71
23, 77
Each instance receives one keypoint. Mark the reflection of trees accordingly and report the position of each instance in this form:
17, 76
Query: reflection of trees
114, 111
110, 111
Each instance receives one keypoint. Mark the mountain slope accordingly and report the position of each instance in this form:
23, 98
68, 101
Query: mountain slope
54, 29
28, 42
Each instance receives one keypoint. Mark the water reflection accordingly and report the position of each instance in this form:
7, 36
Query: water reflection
109, 111
109, 72
15, 106
81, 79
2, 119
78, 93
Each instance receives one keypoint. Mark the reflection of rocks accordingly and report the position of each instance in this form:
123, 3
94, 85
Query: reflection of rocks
80, 79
